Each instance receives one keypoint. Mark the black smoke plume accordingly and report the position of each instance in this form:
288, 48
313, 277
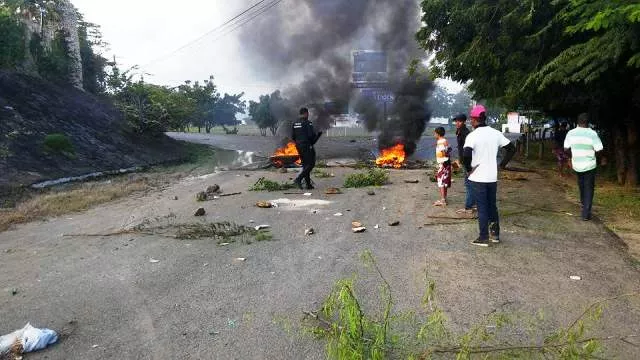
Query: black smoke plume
310, 42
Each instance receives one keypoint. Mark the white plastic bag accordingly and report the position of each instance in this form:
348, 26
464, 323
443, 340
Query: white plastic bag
30, 338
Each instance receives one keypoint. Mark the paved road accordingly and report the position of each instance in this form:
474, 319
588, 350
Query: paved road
198, 302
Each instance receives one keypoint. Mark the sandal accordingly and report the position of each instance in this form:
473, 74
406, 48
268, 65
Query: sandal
440, 203
464, 211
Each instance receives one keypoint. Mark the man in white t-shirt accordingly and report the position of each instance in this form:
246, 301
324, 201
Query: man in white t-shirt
480, 160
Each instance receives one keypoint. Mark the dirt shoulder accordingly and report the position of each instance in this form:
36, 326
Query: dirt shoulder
198, 301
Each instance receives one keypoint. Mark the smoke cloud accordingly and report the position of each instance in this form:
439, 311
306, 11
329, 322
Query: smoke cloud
312, 41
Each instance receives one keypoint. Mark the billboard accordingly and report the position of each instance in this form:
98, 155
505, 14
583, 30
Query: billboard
379, 96
369, 69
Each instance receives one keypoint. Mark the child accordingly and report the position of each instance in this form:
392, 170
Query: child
444, 165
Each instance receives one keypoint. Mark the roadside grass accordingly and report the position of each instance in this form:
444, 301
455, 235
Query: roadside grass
71, 198
83, 197
373, 177
264, 184
618, 206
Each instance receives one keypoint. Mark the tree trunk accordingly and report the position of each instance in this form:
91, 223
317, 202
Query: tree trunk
541, 150
632, 154
619, 151
69, 25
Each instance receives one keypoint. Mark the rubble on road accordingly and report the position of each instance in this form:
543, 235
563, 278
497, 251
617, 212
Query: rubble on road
333, 191
309, 232
201, 196
264, 204
412, 181
394, 223
360, 229
200, 212
356, 224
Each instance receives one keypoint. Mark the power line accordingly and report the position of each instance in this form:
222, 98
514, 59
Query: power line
241, 23
220, 27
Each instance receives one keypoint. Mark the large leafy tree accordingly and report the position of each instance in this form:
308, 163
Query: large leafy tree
270, 111
226, 109
440, 102
562, 57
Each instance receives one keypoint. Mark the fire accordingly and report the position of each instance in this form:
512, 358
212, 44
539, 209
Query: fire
392, 157
288, 151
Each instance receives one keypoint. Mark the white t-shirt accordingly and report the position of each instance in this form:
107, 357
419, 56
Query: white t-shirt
485, 142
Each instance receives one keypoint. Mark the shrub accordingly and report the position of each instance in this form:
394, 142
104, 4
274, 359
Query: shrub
373, 177
58, 143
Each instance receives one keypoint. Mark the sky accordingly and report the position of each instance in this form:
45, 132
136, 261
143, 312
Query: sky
147, 34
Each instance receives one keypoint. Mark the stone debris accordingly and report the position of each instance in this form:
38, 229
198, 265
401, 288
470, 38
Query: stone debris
201, 196
264, 204
309, 232
200, 212
360, 229
394, 223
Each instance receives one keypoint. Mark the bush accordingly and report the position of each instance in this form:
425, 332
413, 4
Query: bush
58, 143
267, 185
373, 177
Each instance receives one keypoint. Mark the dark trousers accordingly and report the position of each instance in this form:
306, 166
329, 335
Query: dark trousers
469, 201
587, 184
485, 196
308, 157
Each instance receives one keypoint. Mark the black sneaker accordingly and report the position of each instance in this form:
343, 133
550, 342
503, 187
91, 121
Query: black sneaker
492, 234
310, 187
480, 242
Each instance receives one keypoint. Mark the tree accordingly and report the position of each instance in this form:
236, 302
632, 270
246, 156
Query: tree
12, 49
562, 57
205, 97
93, 63
226, 108
462, 102
269, 112
440, 102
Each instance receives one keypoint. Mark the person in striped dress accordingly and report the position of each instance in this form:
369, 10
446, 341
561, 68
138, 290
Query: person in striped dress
443, 177
583, 145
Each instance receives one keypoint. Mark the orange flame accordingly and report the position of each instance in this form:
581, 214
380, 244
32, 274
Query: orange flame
288, 150
392, 157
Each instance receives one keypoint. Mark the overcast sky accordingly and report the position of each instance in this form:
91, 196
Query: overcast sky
148, 33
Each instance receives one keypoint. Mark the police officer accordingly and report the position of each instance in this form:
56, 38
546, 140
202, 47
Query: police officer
305, 138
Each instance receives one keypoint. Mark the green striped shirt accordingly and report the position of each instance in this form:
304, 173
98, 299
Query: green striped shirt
584, 144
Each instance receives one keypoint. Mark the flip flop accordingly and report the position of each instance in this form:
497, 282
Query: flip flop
440, 203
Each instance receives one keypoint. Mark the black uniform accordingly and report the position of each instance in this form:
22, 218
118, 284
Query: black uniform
305, 138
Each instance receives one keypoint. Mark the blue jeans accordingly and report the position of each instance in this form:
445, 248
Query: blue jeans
469, 201
485, 196
587, 184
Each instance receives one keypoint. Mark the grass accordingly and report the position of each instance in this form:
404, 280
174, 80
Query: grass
322, 174
58, 144
373, 177
223, 232
264, 184
58, 203
66, 199
352, 331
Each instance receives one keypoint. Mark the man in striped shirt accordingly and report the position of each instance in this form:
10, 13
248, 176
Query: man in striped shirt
583, 144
